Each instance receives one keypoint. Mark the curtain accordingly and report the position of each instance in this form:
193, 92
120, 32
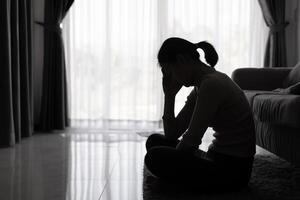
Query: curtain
15, 71
54, 108
274, 15
112, 47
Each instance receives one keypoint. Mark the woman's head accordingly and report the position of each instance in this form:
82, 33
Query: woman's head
173, 47
174, 52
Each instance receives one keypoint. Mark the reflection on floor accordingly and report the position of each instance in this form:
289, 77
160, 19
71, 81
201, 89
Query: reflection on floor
76, 165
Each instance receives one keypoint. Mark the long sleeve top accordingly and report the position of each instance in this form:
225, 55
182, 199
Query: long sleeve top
218, 103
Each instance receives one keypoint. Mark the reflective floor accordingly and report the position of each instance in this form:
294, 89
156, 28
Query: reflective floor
75, 165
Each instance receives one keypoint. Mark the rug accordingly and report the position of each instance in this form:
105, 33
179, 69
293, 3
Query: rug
272, 179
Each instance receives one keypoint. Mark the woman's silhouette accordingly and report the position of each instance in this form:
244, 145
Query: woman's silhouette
217, 102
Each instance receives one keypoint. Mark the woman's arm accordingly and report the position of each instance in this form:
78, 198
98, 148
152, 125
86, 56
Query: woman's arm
209, 97
174, 127
169, 120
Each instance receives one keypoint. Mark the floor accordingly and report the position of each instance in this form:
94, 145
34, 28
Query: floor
76, 165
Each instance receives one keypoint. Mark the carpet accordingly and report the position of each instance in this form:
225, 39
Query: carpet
272, 179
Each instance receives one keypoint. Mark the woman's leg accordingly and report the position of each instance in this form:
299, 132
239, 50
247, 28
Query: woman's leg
170, 164
193, 172
155, 140
236, 170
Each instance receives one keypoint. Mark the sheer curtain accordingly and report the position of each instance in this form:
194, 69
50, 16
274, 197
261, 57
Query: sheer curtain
111, 47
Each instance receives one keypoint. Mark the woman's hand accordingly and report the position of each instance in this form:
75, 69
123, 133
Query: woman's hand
170, 85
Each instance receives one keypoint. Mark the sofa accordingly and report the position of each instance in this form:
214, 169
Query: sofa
274, 96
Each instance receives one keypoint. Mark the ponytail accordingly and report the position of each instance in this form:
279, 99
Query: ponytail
211, 56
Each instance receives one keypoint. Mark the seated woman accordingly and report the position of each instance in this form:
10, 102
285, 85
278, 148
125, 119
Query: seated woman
217, 102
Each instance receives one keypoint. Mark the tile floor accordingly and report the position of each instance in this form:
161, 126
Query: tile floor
75, 165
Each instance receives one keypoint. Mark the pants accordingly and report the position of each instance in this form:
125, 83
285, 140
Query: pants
202, 170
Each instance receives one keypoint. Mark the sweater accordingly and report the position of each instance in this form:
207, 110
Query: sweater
219, 103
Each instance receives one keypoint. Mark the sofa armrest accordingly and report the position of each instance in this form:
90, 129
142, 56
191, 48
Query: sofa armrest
260, 78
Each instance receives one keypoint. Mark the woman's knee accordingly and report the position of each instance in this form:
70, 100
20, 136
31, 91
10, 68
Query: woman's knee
154, 140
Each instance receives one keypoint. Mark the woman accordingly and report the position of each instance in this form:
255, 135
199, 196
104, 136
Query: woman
217, 102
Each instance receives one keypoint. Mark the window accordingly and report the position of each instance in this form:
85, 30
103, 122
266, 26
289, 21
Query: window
111, 48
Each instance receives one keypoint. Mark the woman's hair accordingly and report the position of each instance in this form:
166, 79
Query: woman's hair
172, 47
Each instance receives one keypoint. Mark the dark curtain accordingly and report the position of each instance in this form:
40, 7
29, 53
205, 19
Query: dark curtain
15, 71
54, 107
274, 15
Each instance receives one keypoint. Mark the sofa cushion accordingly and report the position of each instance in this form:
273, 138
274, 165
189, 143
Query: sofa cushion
250, 94
283, 109
293, 76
